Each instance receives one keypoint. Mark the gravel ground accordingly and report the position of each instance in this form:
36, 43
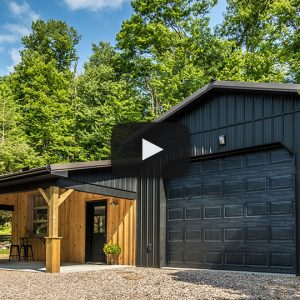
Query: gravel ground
145, 283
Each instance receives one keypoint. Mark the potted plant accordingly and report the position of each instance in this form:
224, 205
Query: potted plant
112, 252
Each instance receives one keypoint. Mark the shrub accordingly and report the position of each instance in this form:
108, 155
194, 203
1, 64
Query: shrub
112, 249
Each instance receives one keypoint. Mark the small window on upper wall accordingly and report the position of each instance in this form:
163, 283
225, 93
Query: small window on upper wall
39, 216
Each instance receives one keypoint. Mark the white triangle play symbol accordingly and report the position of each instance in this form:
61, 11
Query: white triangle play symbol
149, 149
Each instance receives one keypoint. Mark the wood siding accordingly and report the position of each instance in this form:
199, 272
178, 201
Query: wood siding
121, 225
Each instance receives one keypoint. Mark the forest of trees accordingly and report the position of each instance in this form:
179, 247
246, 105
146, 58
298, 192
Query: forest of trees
50, 113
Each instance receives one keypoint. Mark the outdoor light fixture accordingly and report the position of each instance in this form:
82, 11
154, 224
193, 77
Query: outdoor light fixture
222, 140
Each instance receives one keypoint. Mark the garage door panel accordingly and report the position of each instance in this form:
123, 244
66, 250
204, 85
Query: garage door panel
282, 259
252, 261
246, 234
234, 188
236, 212
281, 207
284, 233
249, 212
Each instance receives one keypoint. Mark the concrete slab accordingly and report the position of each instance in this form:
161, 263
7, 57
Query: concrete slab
89, 267
38, 266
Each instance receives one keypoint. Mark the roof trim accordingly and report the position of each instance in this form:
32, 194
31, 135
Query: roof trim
56, 170
21, 174
80, 165
254, 87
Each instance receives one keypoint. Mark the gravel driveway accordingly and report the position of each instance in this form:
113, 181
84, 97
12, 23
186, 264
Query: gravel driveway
145, 283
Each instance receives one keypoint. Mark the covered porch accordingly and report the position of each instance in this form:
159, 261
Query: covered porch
67, 221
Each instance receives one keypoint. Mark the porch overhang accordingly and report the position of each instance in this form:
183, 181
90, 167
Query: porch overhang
83, 177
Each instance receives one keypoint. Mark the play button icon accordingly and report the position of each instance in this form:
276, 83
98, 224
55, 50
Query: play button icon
149, 149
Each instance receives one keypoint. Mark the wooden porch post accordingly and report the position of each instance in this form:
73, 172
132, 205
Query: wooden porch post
53, 240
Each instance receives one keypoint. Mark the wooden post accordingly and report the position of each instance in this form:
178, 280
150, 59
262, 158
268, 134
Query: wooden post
53, 254
53, 212
54, 200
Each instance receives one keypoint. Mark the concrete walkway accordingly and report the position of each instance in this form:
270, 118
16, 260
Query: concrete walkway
39, 266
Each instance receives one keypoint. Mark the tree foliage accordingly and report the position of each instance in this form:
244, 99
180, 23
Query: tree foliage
15, 152
55, 41
165, 51
105, 99
5, 218
42, 87
168, 48
265, 35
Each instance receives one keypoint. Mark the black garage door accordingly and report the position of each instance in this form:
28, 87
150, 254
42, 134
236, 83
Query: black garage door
234, 213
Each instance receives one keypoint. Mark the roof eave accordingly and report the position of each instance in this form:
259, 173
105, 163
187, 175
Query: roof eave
80, 166
23, 174
236, 86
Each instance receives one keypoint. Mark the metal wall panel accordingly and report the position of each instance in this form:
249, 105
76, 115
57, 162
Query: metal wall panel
148, 222
247, 120
105, 178
258, 119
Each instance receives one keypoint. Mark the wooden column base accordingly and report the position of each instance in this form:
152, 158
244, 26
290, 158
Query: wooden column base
53, 254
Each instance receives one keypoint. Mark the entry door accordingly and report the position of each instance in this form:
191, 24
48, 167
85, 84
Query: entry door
96, 231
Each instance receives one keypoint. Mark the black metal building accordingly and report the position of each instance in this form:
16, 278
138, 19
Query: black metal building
239, 205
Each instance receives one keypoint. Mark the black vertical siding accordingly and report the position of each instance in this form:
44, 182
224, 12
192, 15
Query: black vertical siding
105, 178
148, 225
247, 120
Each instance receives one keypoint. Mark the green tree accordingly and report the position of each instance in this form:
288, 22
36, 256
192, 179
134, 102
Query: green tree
105, 98
55, 41
15, 153
169, 50
265, 39
8, 110
43, 89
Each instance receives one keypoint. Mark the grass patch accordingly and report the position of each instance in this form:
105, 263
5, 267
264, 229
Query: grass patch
6, 251
5, 230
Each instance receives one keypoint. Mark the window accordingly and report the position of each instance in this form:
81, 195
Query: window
99, 224
39, 216
99, 219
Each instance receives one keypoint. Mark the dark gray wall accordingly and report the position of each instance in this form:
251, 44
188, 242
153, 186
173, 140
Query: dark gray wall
104, 178
247, 120
148, 224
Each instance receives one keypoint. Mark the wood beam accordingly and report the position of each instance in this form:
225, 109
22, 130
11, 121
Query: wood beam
64, 196
44, 193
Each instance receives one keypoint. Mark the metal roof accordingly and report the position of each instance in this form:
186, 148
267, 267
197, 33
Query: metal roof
253, 87
81, 165
56, 170
80, 176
